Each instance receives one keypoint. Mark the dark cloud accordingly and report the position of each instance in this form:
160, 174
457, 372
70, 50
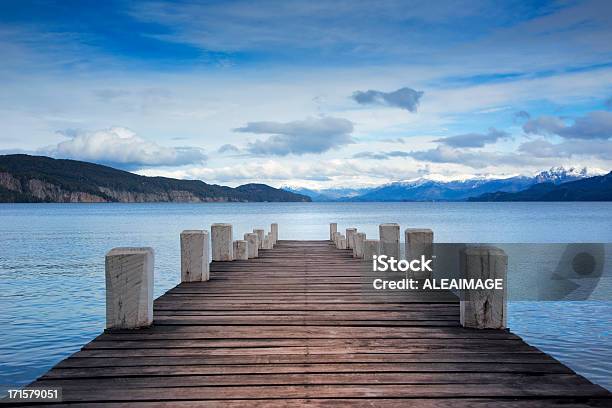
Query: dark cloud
474, 139
228, 148
404, 98
544, 125
521, 116
445, 154
594, 125
312, 135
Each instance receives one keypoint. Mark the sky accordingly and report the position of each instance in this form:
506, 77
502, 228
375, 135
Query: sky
315, 94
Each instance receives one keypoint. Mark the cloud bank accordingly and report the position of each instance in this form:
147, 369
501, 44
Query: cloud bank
403, 98
474, 139
312, 135
122, 148
601, 149
594, 125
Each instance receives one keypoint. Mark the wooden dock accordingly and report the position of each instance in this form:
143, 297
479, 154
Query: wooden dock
292, 328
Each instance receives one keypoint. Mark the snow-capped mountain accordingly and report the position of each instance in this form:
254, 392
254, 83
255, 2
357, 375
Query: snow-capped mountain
424, 189
561, 175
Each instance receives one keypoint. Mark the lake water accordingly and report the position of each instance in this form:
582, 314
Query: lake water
52, 265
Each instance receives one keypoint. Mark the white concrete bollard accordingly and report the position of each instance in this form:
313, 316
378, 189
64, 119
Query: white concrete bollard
336, 237
266, 242
389, 240
360, 237
333, 228
339, 237
260, 237
342, 242
194, 256
484, 309
129, 287
270, 240
222, 242
241, 252
252, 244
419, 242
274, 232
350, 237
370, 248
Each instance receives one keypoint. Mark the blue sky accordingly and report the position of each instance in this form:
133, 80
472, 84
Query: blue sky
316, 94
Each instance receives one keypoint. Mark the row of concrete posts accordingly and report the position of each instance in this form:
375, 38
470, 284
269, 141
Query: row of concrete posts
418, 241
479, 308
129, 271
224, 248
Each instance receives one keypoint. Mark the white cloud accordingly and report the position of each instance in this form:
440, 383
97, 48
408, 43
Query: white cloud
121, 147
316, 174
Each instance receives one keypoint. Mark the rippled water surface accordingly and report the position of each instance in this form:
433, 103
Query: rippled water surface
52, 265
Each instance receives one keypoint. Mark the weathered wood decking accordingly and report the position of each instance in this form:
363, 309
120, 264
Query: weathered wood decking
291, 328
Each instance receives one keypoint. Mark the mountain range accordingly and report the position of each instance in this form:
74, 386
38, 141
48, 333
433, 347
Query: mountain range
424, 189
598, 188
25, 178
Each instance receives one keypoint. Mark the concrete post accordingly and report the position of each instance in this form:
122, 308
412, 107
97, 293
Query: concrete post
335, 237
274, 232
260, 236
252, 244
350, 237
222, 242
389, 240
129, 288
266, 242
370, 248
342, 242
194, 256
419, 242
333, 228
270, 240
486, 308
241, 252
339, 237
360, 237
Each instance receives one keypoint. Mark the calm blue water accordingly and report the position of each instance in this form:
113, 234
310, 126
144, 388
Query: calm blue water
52, 265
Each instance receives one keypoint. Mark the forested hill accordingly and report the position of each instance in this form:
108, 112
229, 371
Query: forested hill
598, 188
25, 178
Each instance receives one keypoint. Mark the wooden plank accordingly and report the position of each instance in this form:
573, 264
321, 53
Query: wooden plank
179, 366
311, 332
531, 402
289, 358
499, 389
373, 378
